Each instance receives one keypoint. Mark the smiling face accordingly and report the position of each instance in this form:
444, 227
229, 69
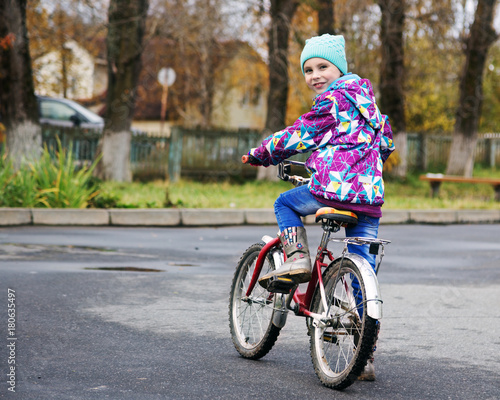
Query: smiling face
320, 73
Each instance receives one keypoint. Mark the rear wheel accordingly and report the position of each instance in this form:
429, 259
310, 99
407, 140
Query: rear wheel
250, 317
342, 345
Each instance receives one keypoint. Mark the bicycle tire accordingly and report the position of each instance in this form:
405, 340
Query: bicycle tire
340, 352
250, 319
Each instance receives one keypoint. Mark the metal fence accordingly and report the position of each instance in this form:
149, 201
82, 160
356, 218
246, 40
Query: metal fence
188, 152
217, 153
430, 152
84, 141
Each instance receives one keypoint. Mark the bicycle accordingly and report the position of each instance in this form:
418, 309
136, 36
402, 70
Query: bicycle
341, 303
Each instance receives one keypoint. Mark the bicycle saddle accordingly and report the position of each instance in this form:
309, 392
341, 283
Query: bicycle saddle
339, 217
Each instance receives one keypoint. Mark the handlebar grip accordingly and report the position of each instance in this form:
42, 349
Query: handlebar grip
249, 159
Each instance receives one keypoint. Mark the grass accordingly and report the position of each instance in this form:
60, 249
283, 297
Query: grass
191, 194
410, 193
416, 194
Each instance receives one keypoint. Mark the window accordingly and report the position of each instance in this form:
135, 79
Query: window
53, 110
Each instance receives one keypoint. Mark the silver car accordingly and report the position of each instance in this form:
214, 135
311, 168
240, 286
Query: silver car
67, 113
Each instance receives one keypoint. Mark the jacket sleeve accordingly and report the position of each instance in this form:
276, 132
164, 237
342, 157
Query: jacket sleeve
304, 135
386, 142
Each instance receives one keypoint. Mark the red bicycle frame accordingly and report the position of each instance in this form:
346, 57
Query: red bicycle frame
302, 299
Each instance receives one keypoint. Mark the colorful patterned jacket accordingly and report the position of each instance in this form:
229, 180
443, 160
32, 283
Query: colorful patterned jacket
349, 138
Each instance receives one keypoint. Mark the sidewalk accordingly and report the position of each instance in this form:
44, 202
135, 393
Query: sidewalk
216, 217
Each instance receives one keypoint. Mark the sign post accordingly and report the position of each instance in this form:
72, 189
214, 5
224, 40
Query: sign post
166, 77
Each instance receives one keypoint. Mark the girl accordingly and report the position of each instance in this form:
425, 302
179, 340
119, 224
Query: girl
349, 139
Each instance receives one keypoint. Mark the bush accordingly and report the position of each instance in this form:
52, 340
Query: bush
53, 182
17, 187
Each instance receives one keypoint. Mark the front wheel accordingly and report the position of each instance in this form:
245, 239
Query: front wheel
343, 342
250, 317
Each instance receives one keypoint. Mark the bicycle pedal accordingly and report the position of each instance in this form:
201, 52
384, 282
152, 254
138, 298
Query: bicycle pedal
280, 284
329, 337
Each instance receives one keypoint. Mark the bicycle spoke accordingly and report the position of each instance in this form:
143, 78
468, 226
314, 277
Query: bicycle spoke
251, 316
339, 350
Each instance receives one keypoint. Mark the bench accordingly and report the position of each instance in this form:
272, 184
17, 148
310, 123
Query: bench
436, 179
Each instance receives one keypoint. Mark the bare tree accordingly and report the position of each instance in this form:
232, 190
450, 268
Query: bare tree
207, 47
481, 37
18, 104
127, 20
282, 12
392, 99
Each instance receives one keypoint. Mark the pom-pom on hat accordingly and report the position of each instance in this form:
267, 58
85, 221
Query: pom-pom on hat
329, 47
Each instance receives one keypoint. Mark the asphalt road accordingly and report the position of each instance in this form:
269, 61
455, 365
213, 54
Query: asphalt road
141, 313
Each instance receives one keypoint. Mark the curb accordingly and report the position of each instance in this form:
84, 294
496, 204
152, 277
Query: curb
215, 217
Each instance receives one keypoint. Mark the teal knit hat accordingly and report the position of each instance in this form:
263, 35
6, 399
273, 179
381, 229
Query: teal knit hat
329, 47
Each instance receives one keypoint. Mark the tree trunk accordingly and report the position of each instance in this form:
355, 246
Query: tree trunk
127, 20
392, 99
18, 104
206, 91
481, 37
207, 45
326, 17
282, 12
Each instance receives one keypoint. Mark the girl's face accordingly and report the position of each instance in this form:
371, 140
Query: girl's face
320, 73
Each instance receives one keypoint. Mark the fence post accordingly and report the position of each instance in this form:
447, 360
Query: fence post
175, 154
493, 151
425, 152
421, 151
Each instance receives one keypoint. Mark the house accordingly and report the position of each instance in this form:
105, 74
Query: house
83, 77
240, 96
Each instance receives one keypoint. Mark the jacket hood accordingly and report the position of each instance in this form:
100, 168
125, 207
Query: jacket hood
360, 93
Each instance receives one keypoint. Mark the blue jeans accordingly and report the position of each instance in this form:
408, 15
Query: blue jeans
299, 202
